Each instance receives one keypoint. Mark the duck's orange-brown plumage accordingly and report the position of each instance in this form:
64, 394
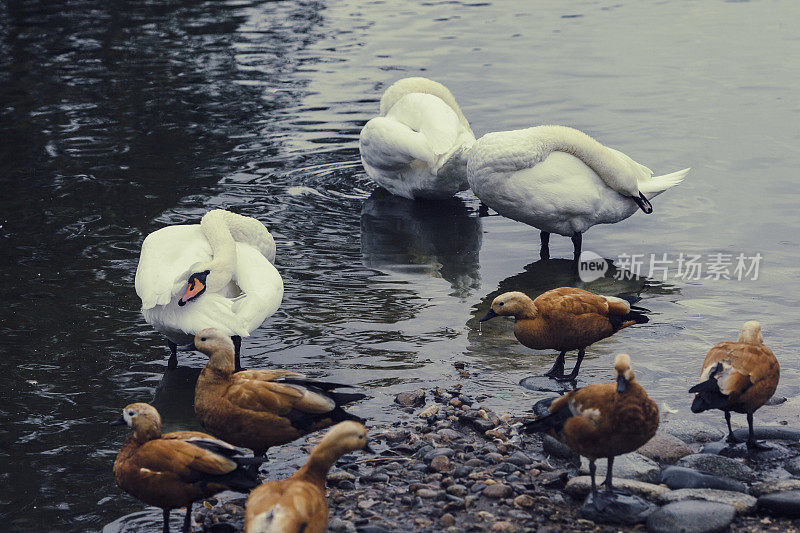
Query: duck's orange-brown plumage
603, 419
738, 376
261, 408
298, 503
175, 469
564, 319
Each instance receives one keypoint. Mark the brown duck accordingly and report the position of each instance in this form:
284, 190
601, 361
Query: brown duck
740, 377
175, 469
259, 409
564, 319
298, 503
602, 419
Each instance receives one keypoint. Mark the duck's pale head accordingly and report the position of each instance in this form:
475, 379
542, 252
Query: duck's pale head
143, 418
516, 304
751, 333
345, 437
217, 346
623, 371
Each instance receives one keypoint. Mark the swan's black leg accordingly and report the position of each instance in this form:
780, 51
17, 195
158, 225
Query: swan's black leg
544, 251
187, 520
172, 364
166, 521
237, 346
577, 240
558, 367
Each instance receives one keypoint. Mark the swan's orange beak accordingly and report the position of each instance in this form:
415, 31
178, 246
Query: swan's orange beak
197, 286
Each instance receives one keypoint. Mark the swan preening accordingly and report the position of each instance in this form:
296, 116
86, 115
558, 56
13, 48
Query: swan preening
218, 273
417, 147
560, 180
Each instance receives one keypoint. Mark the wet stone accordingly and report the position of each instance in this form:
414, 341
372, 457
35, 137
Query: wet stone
665, 448
769, 433
629, 466
519, 459
414, 398
439, 452
676, 477
498, 490
557, 448
690, 430
775, 451
623, 509
718, 465
441, 463
781, 503
743, 503
691, 517
581, 485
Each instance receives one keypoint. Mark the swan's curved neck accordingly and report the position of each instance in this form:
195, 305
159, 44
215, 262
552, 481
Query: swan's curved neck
223, 250
591, 152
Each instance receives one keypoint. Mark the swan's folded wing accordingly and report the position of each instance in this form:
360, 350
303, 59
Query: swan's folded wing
166, 258
261, 284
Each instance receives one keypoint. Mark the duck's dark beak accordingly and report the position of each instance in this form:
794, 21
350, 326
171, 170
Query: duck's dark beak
188, 348
488, 316
621, 383
367, 448
118, 422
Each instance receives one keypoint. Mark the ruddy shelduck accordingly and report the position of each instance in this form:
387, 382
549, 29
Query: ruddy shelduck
602, 419
298, 503
738, 376
564, 319
175, 469
259, 409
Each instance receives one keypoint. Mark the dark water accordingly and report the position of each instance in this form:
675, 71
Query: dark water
117, 118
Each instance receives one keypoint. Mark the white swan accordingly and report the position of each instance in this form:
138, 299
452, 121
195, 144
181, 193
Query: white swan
560, 180
417, 147
218, 273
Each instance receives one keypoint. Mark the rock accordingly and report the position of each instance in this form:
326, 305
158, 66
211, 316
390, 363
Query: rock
519, 459
690, 430
557, 448
581, 485
718, 465
628, 466
338, 525
340, 475
447, 520
524, 501
414, 398
775, 451
677, 477
621, 509
781, 503
743, 503
457, 490
439, 452
497, 491
441, 463
429, 411
691, 517
665, 448
503, 527
769, 433
481, 424
428, 494
777, 485
542, 407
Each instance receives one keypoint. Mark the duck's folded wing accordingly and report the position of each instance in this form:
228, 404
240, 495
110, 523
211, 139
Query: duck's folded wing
165, 262
268, 375
568, 301
278, 398
182, 458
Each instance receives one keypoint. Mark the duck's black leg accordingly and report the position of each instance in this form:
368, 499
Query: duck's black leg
752, 443
544, 251
608, 481
592, 470
172, 364
574, 374
731, 438
187, 520
558, 367
577, 240
237, 346
166, 521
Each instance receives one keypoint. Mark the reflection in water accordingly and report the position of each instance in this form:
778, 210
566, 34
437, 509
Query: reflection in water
438, 238
174, 397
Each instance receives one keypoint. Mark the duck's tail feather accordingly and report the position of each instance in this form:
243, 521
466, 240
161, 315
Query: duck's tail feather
657, 184
708, 394
553, 421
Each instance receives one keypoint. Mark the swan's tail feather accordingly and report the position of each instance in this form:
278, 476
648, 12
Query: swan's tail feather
658, 184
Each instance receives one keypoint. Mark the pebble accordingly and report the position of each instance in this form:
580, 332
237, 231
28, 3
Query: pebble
691, 517
457, 490
665, 448
557, 448
340, 475
580, 486
628, 466
718, 465
743, 503
616, 508
677, 477
447, 520
525, 501
519, 459
429, 411
441, 463
690, 430
777, 485
415, 398
497, 491
428, 494
503, 526
781, 503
